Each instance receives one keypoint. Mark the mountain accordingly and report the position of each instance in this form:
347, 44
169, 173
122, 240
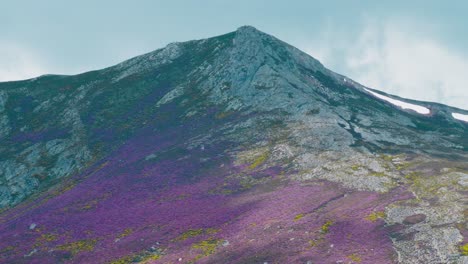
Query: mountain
234, 149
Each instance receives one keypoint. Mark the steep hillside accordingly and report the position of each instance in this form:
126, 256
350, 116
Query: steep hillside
234, 149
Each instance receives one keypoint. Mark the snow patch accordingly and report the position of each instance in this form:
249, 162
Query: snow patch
461, 117
417, 108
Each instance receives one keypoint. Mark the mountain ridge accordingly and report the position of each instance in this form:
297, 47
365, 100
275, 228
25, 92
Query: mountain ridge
246, 28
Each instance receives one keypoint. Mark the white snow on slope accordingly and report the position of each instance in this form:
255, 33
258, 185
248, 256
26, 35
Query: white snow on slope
460, 117
419, 109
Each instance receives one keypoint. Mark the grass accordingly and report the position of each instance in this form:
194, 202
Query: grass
378, 174
325, 228
142, 258
259, 161
298, 217
125, 233
195, 232
207, 247
374, 216
464, 249
355, 258
79, 246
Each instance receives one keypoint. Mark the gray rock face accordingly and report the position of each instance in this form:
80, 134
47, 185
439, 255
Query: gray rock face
4, 122
55, 159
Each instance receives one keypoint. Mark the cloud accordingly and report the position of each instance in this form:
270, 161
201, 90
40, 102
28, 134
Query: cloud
391, 56
17, 63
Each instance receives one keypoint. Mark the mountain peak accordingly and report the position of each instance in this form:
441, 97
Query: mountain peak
252, 33
248, 28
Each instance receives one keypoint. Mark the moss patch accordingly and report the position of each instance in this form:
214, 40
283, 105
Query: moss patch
464, 249
259, 161
79, 246
125, 233
374, 216
355, 258
207, 247
325, 228
195, 232
298, 217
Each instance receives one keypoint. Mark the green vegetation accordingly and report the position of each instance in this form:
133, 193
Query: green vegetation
378, 174
325, 228
387, 157
403, 165
195, 232
374, 216
259, 160
207, 247
48, 237
298, 217
464, 249
125, 233
44, 239
143, 258
79, 246
315, 242
7, 249
355, 258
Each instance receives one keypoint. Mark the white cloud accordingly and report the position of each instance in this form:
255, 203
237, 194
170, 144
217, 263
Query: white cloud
17, 63
393, 57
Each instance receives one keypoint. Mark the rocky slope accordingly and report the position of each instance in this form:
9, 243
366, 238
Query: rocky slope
234, 149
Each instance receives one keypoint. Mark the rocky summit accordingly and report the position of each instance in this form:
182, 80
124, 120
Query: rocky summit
234, 149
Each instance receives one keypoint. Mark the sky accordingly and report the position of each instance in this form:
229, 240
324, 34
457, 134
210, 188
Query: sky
414, 49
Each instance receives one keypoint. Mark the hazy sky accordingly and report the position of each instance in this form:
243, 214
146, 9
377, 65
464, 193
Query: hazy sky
416, 50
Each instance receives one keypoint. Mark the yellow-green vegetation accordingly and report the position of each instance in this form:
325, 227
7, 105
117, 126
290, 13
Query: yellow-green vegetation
355, 167
220, 190
44, 238
314, 243
464, 249
387, 157
149, 258
425, 185
326, 227
65, 188
48, 237
259, 160
79, 246
378, 174
123, 260
399, 165
298, 217
142, 258
6, 249
125, 233
89, 205
412, 175
246, 183
226, 191
195, 232
355, 258
207, 247
374, 216
402, 166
